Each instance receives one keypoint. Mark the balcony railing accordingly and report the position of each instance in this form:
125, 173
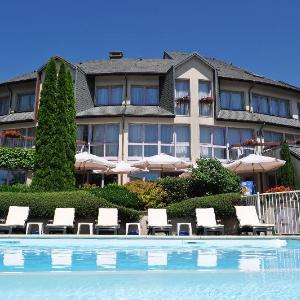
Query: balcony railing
281, 209
29, 142
17, 142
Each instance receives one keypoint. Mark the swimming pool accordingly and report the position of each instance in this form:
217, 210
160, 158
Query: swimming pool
150, 268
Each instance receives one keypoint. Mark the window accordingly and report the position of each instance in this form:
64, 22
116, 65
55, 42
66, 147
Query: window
212, 142
9, 177
25, 102
182, 97
270, 106
145, 176
238, 136
143, 140
270, 136
105, 140
82, 133
109, 95
175, 140
144, 95
4, 106
150, 139
292, 137
205, 107
232, 100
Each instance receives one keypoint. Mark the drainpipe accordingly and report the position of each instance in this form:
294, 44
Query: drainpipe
123, 123
10, 98
249, 94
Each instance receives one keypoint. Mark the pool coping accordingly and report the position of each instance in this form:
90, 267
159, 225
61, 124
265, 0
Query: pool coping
148, 237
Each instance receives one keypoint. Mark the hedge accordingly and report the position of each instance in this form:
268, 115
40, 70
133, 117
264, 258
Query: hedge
42, 205
223, 205
118, 195
17, 158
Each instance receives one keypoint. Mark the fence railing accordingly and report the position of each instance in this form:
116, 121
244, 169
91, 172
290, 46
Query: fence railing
281, 209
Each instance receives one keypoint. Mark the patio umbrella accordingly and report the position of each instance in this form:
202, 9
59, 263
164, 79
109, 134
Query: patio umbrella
125, 168
161, 162
90, 162
255, 164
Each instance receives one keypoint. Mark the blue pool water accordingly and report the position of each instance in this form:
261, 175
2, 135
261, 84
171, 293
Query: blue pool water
149, 269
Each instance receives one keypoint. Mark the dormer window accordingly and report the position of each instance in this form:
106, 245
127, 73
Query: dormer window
232, 100
25, 102
4, 106
182, 97
144, 95
270, 106
109, 95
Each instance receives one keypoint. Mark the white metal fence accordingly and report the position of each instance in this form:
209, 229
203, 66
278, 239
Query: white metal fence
281, 209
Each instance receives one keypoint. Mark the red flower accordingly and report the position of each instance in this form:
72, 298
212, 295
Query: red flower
12, 133
277, 189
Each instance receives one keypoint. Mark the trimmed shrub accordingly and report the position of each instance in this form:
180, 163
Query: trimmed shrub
17, 158
223, 205
177, 188
119, 195
150, 193
43, 204
287, 176
211, 178
15, 188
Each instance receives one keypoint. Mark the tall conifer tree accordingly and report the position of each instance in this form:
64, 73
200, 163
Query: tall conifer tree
287, 176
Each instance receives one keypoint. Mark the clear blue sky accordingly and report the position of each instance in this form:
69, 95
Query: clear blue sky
260, 35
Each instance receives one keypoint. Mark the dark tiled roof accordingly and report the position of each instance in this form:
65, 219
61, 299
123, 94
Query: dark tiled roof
246, 116
229, 71
24, 77
17, 117
155, 66
109, 111
295, 150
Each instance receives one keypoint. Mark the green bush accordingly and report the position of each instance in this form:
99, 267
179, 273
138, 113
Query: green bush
223, 205
150, 193
209, 177
43, 204
119, 195
17, 158
177, 188
15, 188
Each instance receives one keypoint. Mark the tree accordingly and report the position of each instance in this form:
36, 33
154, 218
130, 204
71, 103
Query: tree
53, 169
287, 176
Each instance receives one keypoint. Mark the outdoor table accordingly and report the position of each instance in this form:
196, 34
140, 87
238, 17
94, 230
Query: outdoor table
90, 226
182, 232
133, 229
31, 224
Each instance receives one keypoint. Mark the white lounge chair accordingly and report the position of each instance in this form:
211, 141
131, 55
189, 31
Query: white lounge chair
63, 220
206, 221
158, 221
248, 220
107, 220
16, 218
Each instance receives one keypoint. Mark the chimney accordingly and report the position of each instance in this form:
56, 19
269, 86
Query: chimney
115, 54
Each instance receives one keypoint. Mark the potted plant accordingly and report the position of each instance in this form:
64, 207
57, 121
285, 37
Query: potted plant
207, 99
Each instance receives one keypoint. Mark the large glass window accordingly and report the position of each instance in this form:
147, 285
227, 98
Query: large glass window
232, 100
25, 102
144, 95
4, 106
105, 140
150, 139
271, 136
82, 133
270, 106
109, 95
212, 142
182, 97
